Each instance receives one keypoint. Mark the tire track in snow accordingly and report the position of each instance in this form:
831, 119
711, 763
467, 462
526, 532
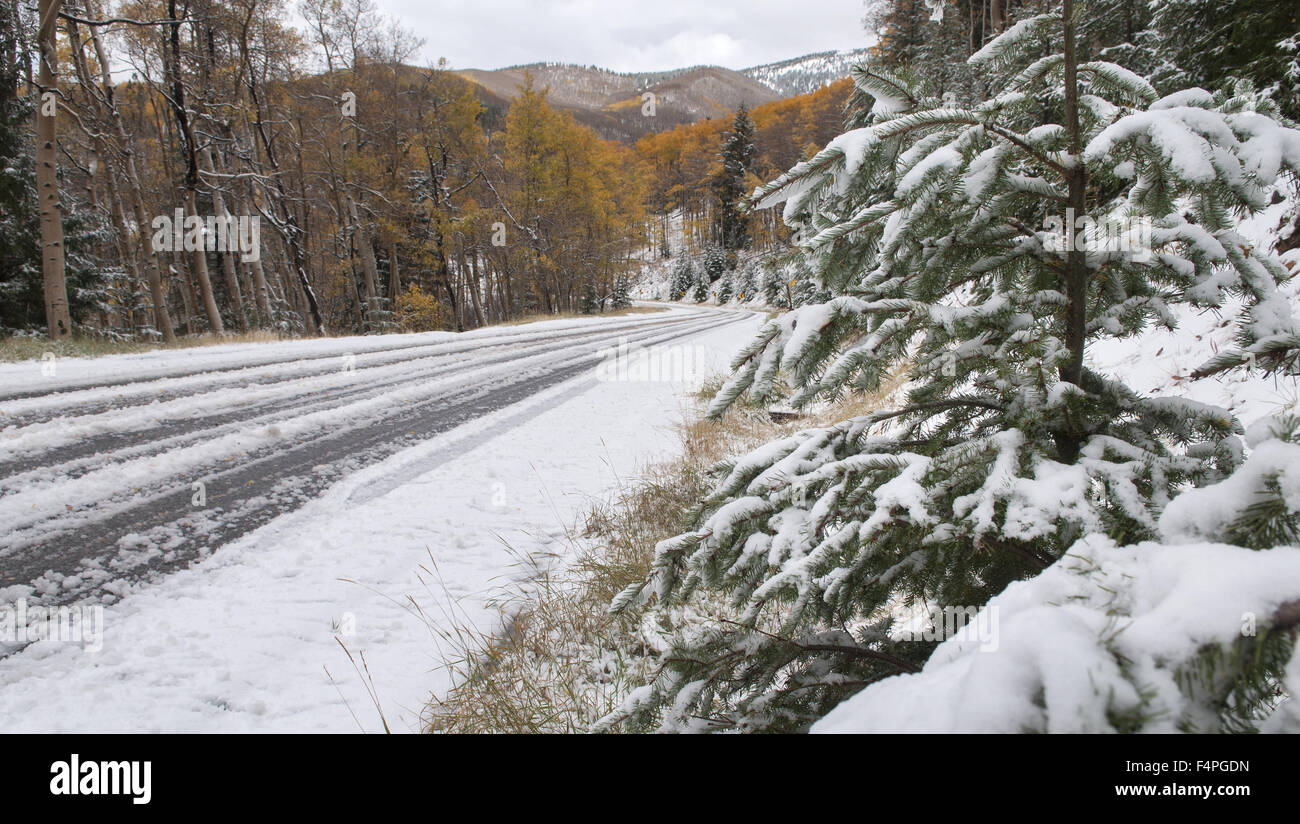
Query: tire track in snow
141, 533
110, 434
25, 408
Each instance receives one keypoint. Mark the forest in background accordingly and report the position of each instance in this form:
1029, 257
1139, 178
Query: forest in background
393, 197
386, 196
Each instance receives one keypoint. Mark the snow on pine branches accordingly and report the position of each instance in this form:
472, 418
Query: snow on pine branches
931, 224
1152, 637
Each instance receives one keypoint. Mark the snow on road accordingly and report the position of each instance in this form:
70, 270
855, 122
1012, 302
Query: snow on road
249, 638
98, 482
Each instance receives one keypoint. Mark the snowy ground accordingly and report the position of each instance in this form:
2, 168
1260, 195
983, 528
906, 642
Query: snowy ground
249, 637
1160, 361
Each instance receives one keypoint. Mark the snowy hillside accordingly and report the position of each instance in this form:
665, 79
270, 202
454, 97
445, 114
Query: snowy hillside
801, 75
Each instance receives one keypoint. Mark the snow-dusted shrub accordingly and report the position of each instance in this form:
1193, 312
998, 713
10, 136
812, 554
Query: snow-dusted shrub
961, 245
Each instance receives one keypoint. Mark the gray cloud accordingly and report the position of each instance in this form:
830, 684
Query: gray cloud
626, 35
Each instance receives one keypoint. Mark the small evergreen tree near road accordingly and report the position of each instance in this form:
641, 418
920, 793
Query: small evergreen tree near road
701, 292
937, 230
591, 301
715, 263
747, 281
738, 154
683, 277
621, 298
725, 289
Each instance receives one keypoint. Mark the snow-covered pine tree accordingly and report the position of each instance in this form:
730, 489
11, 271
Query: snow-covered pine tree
1213, 41
725, 289
590, 302
747, 282
804, 288
622, 296
379, 315
738, 154
701, 291
773, 284
683, 277
933, 226
715, 263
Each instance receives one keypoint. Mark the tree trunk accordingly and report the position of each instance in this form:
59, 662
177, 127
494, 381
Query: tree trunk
261, 290
187, 293
472, 271
57, 318
227, 256
394, 276
199, 261
288, 225
199, 268
239, 197
153, 269
369, 268
99, 156
1068, 442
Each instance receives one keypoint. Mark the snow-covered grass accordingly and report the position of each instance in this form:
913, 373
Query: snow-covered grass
564, 662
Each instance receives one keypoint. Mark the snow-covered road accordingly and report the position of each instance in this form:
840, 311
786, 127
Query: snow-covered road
326, 488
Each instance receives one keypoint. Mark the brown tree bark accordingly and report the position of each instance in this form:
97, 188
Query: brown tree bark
394, 275
369, 267
198, 258
227, 256
1068, 442
58, 320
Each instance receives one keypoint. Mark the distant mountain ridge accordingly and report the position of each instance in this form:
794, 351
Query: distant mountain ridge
800, 75
611, 102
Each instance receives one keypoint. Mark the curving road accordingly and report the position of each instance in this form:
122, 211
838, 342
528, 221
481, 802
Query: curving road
125, 476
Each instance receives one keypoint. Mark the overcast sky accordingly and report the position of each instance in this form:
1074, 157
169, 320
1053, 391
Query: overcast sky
628, 35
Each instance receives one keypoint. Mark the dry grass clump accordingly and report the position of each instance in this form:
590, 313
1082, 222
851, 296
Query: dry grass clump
562, 662
32, 347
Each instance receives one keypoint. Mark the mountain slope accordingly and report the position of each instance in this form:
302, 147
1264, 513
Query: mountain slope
801, 75
611, 102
